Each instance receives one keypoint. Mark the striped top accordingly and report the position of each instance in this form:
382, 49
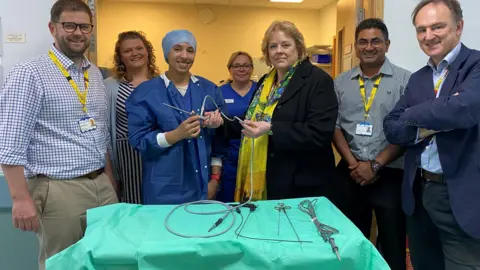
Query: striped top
128, 160
124, 91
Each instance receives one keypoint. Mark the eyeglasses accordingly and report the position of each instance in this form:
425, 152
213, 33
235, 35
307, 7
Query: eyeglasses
238, 67
363, 43
71, 27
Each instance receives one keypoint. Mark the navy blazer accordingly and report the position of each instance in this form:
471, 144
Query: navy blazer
459, 148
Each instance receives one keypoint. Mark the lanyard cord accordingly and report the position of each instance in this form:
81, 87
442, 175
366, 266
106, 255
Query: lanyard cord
368, 104
82, 96
439, 82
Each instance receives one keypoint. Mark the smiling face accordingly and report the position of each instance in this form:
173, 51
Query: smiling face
371, 46
133, 54
72, 44
181, 58
437, 31
241, 69
282, 50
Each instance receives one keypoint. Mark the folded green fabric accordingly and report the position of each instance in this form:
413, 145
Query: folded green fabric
125, 236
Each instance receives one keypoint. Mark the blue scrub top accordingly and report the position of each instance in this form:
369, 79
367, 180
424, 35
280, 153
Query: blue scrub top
179, 173
237, 106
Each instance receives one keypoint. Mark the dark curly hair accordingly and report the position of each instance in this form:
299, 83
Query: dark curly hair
119, 69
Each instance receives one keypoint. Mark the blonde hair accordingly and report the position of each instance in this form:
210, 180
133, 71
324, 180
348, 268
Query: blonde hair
230, 63
289, 29
235, 55
119, 69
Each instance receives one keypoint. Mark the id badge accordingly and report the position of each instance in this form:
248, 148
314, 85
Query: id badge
229, 100
87, 124
364, 129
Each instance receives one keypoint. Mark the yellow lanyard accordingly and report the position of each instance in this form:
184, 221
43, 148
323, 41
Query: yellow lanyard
82, 97
439, 82
368, 104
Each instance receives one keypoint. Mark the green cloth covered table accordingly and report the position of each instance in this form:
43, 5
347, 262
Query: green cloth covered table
126, 236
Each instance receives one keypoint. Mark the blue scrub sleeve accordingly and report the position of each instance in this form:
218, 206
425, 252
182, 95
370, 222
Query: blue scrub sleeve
142, 127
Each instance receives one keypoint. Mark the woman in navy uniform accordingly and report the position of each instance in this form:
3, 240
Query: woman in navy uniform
237, 93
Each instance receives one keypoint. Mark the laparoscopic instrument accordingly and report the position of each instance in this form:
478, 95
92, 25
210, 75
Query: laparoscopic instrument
325, 231
281, 207
228, 209
305, 206
203, 109
180, 110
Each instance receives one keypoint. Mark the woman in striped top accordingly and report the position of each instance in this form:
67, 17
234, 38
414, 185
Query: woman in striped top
134, 63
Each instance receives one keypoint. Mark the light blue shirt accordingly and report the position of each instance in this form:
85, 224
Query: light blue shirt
430, 161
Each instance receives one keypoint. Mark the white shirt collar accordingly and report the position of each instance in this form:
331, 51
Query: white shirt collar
167, 81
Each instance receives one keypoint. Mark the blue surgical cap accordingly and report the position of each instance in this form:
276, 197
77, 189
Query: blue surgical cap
175, 37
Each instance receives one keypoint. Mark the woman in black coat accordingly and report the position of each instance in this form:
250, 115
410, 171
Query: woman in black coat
292, 117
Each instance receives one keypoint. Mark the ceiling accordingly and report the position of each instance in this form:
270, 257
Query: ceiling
306, 4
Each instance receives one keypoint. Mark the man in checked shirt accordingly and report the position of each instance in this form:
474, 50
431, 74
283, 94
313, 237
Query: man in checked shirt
53, 130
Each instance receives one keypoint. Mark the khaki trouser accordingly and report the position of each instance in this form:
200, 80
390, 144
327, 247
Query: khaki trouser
62, 205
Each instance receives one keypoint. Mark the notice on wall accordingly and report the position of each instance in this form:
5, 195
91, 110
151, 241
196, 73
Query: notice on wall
347, 63
16, 38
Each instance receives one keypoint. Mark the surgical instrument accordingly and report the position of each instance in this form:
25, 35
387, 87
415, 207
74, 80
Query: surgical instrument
180, 110
228, 209
325, 231
244, 222
282, 207
251, 206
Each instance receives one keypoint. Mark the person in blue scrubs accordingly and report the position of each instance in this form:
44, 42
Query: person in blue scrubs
178, 153
237, 93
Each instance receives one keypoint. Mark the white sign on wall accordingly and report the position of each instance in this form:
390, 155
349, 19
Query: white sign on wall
16, 38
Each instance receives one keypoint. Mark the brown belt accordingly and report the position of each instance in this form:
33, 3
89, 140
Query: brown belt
430, 176
94, 174
91, 175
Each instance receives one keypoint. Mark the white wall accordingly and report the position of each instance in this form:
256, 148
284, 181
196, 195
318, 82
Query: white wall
18, 250
404, 50
28, 17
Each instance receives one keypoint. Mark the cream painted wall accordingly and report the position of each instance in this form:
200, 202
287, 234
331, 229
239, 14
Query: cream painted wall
327, 19
234, 28
347, 20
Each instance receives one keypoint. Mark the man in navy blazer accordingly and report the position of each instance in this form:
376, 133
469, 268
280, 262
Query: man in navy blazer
437, 121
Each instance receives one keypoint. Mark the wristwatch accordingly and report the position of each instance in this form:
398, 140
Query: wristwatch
376, 166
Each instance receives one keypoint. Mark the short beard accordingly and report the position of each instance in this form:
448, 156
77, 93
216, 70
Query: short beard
62, 44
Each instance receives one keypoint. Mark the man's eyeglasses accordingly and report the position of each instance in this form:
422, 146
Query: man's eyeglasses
238, 67
363, 43
71, 27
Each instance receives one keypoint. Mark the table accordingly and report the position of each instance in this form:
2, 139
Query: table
125, 236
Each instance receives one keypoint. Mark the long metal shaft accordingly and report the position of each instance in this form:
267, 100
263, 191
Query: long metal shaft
298, 238
278, 229
243, 225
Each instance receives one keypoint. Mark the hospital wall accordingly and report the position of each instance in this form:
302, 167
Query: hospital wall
404, 50
233, 28
18, 250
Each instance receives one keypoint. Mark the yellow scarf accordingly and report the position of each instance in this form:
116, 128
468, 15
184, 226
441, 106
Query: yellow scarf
261, 109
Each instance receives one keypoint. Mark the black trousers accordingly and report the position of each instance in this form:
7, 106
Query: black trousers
435, 239
383, 197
